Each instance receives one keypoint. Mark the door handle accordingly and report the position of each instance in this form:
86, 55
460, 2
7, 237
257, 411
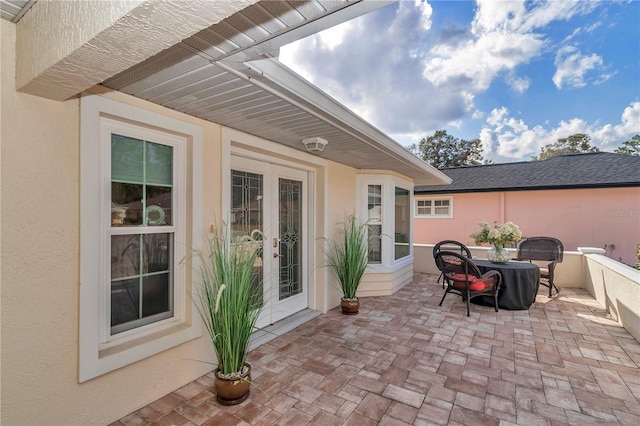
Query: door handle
276, 255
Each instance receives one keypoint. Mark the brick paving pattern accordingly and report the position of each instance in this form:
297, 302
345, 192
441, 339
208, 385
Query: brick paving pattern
406, 361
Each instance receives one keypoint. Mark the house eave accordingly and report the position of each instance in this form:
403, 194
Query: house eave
444, 190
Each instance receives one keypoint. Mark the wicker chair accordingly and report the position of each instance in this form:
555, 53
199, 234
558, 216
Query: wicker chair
463, 277
546, 252
450, 245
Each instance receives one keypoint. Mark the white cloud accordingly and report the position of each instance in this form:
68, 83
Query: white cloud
426, 11
572, 67
507, 138
334, 37
519, 84
610, 136
492, 53
503, 38
409, 77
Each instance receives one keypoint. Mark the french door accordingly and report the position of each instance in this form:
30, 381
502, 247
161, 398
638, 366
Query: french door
273, 199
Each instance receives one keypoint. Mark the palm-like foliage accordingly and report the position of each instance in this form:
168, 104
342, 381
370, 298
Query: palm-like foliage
230, 302
348, 255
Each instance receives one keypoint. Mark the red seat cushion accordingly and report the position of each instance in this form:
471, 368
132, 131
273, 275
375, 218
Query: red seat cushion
463, 277
477, 286
475, 283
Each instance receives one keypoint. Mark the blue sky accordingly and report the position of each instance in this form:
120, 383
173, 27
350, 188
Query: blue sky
517, 75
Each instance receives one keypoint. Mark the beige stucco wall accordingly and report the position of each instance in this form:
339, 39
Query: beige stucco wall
578, 218
40, 255
617, 288
40, 172
341, 202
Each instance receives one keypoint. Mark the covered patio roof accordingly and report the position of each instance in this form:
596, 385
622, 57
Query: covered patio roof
228, 73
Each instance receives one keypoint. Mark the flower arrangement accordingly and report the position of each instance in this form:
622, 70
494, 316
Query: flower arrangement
499, 235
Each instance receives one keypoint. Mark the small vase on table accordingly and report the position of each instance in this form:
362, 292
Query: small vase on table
498, 254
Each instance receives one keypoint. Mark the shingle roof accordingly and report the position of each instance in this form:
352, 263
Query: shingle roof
592, 170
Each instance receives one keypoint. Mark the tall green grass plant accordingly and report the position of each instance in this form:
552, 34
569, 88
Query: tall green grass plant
347, 256
229, 301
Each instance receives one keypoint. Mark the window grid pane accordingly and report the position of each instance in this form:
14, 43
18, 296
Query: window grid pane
402, 223
375, 244
374, 215
141, 293
374, 203
441, 207
141, 182
141, 263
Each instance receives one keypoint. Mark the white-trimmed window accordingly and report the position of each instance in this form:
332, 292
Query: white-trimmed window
138, 169
374, 215
434, 207
402, 223
385, 202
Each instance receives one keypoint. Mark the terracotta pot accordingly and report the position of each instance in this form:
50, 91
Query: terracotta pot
232, 391
349, 306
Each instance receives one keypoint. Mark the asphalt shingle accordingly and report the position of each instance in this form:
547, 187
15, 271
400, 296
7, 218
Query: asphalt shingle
592, 170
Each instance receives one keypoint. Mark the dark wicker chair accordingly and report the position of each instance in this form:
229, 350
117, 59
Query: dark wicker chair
463, 277
450, 245
546, 252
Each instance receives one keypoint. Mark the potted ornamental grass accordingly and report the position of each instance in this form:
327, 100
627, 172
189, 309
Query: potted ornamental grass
230, 301
347, 257
497, 236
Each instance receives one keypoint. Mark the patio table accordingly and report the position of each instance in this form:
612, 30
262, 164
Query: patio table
520, 282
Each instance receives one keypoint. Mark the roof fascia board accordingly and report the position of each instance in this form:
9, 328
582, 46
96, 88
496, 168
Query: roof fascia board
527, 188
350, 10
280, 80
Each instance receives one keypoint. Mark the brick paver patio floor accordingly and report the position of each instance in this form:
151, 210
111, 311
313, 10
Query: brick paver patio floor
405, 360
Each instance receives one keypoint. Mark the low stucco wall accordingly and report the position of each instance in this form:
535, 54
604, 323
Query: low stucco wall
569, 273
616, 287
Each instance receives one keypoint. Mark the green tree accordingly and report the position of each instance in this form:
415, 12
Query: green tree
443, 150
631, 147
578, 143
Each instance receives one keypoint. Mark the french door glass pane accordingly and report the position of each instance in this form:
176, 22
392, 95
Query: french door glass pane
247, 215
290, 222
246, 202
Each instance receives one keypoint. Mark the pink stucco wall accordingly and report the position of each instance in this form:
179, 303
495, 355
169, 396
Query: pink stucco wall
577, 217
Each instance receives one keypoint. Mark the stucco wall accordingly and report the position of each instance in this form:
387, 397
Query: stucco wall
341, 202
40, 255
617, 288
40, 169
579, 218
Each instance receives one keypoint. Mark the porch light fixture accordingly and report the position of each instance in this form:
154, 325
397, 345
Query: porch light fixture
314, 144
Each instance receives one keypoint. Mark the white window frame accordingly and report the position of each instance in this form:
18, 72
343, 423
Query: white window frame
378, 222
389, 184
101, 352
449, 215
